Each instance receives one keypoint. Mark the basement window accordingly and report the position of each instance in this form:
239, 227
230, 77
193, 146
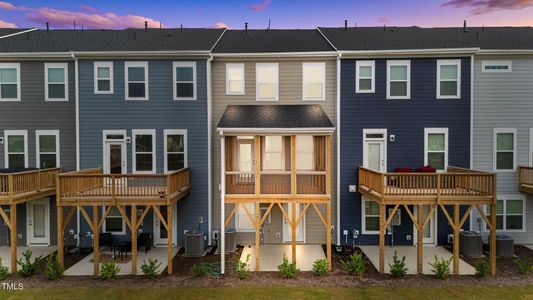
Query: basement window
494, 66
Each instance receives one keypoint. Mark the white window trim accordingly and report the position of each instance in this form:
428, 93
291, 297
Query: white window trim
241, 67
449, 62
46, 83
384, 140
391, 63
16, 66
363, 218
365, 63
323, 82
104, 229
237, 217
186, 64
8, 133
134, 133
167, 132
103, 64
428, 131
485, 63
495, 134
276, 81
141, 64
504, 198
38, 153
530, 147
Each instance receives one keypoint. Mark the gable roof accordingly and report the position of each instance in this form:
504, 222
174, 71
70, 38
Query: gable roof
272, 41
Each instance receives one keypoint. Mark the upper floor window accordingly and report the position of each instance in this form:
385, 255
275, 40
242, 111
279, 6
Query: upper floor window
314, 81
47, 145
103, 77
56, 83
267, 88
16, 149
144, 151
184, 80
449, 79
504, 149
9, 82
234, 79
136, 80
436, 148
364, 76
175, 149
305, 153
398, 79
273, 160
496, 66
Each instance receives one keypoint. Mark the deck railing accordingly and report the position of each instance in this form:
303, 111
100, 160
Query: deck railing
276, 183
13, 184
525, 179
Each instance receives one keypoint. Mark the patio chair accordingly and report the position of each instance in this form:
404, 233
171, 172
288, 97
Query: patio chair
106, 239
144, 240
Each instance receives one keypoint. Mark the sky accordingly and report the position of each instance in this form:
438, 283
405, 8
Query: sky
119, 14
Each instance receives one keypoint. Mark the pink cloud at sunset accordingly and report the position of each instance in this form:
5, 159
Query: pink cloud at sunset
261, 6
479, 7
221, 25
4, 24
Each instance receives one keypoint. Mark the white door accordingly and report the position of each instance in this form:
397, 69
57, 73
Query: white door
430, 228
38, 222
375, 149
300, 229
160, 232
115, 158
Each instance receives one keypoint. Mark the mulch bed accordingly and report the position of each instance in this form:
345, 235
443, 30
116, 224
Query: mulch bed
181, 265
505, 267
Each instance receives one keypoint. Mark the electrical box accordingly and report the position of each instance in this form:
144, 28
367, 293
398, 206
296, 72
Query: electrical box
352, 188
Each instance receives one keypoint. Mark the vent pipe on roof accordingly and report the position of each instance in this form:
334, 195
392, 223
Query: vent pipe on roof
145, 26
345, 25
47, 27
464, 26
268, 29
384, 27
160, 25
246, 27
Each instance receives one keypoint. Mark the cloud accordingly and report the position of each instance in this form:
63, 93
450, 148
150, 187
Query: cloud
4, 24
479, 7
221, 25
89, 17
384, 20
261, 6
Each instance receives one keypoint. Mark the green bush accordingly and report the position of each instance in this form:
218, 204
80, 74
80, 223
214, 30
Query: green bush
482, 267
243, 268
54, 269
441, 267
287, 270
3, 270
199, 270
524, 265
320, 267
109, 270
150, 268
355, 265
27, 267
398, 268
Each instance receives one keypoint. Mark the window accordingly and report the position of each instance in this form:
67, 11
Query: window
266, 82
495, 66
9, 82
175, 149
304, 153
184, 80
510, 213
234, 79
370, 216
114, 222
504, 149
47, 145
436, 148
56, 88
273, 153
449, 79
243, 222
16, 149
144, 151
314, 81
103, 77
364, 76
398, 79
136, 80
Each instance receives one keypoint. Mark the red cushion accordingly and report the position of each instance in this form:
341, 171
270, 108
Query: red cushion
426, 169
403, 170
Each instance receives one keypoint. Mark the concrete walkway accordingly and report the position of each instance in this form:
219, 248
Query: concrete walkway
5, 253
372, 252
270, 256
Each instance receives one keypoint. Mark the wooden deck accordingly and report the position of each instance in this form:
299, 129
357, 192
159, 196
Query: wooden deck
25, 186
525, 179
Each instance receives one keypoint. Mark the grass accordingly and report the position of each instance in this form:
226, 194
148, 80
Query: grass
459, 292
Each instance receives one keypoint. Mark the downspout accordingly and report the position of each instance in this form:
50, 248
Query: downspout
209, 152
77, 108
471, 125
222, 241
338, 125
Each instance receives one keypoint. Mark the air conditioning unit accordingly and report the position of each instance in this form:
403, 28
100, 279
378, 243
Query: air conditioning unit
470, 244
504, 246
194, 243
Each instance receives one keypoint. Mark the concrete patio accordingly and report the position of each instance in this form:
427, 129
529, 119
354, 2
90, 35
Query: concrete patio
270, 256
85, 266
5, 253
372, 252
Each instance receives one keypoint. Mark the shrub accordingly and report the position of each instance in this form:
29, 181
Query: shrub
243, 268
3, 270
27, 267
524, 265
441, 267
287, 270
320, 267
355, 265
54, 269
398, 268
109, 270
199, 270
482, 267
150, 268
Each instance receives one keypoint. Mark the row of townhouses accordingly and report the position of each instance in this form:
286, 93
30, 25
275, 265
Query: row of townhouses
330, 136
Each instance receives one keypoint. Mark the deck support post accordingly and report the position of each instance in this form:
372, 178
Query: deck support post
257, 236
170, 234
493, 239
456, 229
328, 235
419, 241
96, 242
134, 239
381, 238
293, 229
13, 237
60, 247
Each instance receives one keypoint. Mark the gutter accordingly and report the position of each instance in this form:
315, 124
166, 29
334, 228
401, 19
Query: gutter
338, 144
409, 52
505, 51
121, 54
209, 154
278, 54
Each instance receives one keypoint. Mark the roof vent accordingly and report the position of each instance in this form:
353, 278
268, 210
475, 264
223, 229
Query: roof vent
246, 27
145, 26
464, 26
345, 25
47, 27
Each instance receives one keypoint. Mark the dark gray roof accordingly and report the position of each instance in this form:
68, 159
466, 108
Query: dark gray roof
274, 116
6, 31
396, 38
112, 40
273, 40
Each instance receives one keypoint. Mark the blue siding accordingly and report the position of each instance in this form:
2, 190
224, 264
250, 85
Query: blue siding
406, 119
101, 112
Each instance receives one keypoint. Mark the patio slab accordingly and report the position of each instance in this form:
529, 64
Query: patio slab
372, 252
270, 256
5, 252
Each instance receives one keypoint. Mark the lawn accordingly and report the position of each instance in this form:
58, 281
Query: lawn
373, 292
